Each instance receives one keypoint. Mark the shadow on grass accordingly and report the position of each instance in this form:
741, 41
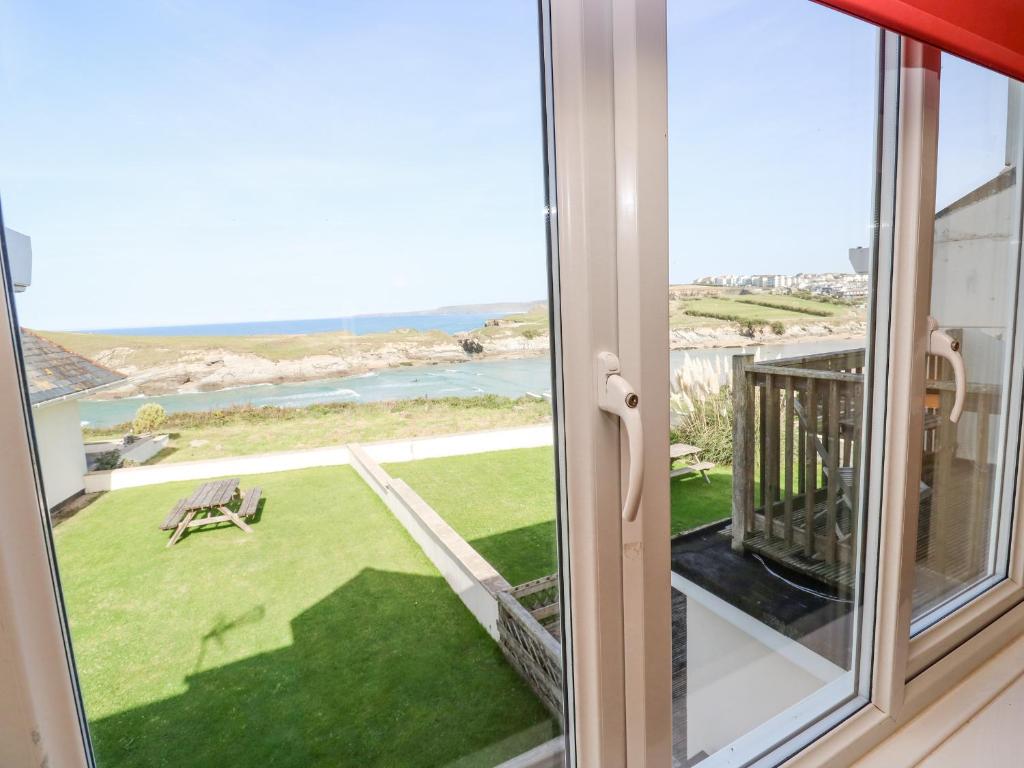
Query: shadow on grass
224, 626
387, 670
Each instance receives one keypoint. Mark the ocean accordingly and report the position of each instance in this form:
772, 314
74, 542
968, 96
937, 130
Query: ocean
530, 377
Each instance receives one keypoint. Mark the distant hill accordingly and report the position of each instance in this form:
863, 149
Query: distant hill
481, 309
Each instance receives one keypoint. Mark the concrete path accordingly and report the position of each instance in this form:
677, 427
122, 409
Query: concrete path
388, 451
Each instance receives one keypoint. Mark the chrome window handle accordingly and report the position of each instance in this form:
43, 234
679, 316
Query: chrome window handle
616, 396
945, 346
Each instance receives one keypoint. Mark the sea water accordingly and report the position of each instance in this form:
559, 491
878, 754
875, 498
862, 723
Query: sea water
530, 377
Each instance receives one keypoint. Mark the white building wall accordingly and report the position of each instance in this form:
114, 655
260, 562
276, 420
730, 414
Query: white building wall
973, 281
19, 256
61, 450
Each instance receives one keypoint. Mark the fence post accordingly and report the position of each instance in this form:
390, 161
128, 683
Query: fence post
742, 450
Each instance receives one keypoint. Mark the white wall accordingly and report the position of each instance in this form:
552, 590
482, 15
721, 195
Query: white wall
739, 673
61, 450
973, 286
19, 254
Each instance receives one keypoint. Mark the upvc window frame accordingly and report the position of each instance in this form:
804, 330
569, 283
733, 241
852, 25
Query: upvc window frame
607, 60
912, 672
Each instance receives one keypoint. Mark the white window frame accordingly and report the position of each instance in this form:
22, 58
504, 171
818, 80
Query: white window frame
607, 93
36, 662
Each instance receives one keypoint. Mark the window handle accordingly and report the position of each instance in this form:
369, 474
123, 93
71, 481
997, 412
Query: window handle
616, 396
945, 346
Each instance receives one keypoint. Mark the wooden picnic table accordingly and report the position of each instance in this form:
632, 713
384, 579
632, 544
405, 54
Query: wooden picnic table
208, 505
679, 451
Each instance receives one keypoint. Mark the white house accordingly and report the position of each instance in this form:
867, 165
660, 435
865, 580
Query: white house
57, 378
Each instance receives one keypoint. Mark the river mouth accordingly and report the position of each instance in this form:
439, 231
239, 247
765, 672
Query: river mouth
513, 378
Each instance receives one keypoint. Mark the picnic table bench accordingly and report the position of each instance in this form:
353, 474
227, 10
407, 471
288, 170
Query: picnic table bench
208, 505
680, 451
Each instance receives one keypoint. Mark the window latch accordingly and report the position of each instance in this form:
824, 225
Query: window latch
616, 396
945, 346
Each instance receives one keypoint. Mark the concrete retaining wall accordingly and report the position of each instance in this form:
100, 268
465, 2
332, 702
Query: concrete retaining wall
472, 578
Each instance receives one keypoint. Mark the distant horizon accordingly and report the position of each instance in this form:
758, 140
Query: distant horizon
497, 308
484, 308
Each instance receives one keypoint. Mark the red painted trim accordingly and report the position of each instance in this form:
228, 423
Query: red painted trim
987, 32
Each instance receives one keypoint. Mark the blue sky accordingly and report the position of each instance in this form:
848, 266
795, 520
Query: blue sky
185, 162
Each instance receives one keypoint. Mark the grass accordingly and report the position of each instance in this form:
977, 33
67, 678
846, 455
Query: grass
795, 304
696, 503
503, 504
323, 638
249, 430
740, 310
760, 309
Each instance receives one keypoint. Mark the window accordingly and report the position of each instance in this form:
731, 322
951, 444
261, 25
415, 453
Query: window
784, 249
969, 460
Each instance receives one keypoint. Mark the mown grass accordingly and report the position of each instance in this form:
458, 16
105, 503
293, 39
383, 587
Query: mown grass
793, 304
249, 430
759, 309
323, 638
503, 504
739, 311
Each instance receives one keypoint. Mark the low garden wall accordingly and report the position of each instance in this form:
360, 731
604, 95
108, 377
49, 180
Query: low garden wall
472, 578
511, 615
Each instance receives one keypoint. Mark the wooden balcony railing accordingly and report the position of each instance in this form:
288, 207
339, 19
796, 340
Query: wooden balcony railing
797, 437
797, 430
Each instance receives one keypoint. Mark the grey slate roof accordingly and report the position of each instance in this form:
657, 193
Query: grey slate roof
54, 372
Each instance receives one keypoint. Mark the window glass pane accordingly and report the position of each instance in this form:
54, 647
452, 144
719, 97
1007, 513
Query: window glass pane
967, 467
313, 240
772, 124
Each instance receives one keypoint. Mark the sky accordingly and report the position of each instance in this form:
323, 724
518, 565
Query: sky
186, 162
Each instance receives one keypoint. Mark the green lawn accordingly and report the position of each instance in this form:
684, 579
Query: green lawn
810, 307
324, 638
503, 504
741, 310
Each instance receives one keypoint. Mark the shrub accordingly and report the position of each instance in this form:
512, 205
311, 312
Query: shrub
108, 460
750, 328
148, 418
530, 334
778, 328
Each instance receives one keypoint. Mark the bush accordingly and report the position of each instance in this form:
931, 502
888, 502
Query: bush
750, 328
108, 460
778, 328
148, 418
